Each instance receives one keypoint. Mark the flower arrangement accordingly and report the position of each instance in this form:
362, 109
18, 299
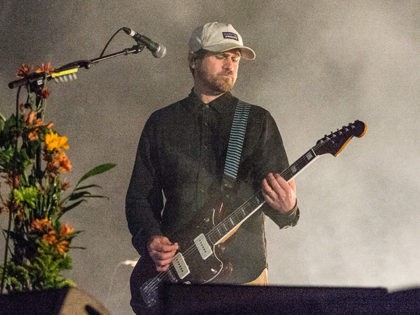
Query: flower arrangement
34, 195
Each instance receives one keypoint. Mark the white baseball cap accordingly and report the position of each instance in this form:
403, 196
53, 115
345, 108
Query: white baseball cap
219, 37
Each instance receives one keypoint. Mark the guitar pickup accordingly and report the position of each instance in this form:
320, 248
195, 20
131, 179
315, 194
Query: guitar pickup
203, 246
180, 266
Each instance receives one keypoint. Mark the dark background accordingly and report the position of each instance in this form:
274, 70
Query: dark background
320, 65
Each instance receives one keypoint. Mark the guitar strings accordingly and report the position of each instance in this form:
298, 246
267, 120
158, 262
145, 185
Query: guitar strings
153, 283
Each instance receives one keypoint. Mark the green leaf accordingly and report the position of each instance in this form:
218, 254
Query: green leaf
26, 195
96, 170
78, 195
87, 187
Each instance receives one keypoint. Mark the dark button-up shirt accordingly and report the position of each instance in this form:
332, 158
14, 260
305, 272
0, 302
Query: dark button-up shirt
179, 168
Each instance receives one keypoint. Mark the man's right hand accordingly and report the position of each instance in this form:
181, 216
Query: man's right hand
162, 251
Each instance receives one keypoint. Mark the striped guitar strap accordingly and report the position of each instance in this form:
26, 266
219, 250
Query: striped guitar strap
234, 150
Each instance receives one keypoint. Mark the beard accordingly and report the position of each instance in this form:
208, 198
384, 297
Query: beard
218, 83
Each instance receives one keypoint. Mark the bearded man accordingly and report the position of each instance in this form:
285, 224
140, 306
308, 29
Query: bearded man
180, 165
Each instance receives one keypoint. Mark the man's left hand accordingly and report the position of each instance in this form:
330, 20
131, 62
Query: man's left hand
278, 193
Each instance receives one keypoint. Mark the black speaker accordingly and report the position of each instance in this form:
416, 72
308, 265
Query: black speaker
405, 301
64, 301
229, 299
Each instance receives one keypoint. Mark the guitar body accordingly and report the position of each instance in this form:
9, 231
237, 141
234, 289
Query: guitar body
203, 266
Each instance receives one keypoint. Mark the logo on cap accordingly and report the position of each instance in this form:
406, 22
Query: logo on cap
230, 35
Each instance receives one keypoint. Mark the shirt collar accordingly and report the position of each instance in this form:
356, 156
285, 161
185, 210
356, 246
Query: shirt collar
223, 104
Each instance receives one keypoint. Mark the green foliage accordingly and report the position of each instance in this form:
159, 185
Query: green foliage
43, 272
35, 197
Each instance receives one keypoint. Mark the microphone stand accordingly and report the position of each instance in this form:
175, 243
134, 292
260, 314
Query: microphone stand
35, 80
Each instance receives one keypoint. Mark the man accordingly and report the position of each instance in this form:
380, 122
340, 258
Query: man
182, 154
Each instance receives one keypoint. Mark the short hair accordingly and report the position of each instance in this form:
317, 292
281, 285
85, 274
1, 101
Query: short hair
192, 56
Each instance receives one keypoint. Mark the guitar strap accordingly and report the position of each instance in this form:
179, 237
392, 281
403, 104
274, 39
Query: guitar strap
234, 150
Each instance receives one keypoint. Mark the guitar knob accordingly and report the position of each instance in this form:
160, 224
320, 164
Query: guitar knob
228, 268
221, 248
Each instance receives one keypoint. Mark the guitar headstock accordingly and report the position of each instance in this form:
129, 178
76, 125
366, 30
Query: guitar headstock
335, 142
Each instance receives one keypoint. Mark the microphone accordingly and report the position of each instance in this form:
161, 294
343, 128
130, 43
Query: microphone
157, 50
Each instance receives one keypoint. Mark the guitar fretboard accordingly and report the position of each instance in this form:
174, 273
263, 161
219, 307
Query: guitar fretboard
254, 203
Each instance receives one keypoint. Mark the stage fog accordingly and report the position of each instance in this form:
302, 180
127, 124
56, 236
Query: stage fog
320, 65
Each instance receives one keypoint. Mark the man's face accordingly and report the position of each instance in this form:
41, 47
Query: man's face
216, 73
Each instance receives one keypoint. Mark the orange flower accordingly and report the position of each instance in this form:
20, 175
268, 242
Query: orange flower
39, 123
50, 237
45, 67
59, 162
31, 117
32, 121
24, 70
63, 247
33, 135
41, 224
65, 185
63, 162
66, 230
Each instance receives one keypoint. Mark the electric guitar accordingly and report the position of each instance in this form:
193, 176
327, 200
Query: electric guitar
199, 261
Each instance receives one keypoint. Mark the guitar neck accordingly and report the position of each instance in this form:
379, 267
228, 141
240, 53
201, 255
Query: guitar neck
254, 203
290, 172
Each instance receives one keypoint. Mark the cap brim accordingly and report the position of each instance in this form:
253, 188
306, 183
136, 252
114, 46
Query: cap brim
246, 52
